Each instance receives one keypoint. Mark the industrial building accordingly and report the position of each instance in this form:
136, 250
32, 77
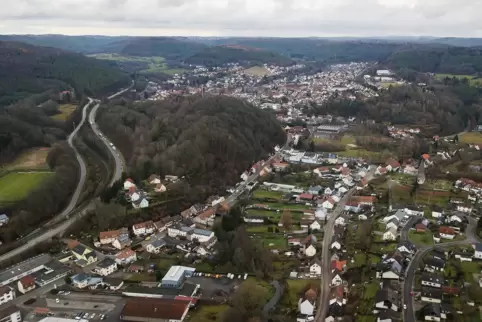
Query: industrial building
43, 268
176, 275
154, 310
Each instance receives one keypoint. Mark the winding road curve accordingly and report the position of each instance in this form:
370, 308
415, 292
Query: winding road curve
68, 216
409, 312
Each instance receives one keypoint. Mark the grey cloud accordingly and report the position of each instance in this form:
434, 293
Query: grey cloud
245, 17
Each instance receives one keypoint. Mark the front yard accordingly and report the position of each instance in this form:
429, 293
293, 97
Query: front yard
421, 239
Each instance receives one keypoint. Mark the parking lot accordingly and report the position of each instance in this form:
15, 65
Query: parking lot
77, 305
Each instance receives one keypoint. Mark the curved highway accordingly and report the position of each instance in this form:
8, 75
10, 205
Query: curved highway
69, 213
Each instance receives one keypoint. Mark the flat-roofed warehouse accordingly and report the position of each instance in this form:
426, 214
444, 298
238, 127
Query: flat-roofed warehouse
44, 268
154, 310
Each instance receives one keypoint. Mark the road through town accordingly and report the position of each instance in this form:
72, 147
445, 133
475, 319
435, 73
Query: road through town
325, 253
68, 216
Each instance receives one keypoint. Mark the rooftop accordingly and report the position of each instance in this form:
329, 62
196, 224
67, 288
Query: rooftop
176, 272
30, 264
154, 309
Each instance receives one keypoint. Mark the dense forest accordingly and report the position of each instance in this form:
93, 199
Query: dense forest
27, 70
441, 59
209, 140
220, 55
447, 109
167, 47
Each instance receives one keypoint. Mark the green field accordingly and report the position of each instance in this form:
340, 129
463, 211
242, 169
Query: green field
421, 239
261, 193
473, 80
16, 186
257, 71
207, 313
155, 64
65, 111
471, 138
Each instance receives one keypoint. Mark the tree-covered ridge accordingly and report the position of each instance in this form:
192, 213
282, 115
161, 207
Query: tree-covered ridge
208, 140
446, 109
220, 55
168, 47
27, 70
440, 59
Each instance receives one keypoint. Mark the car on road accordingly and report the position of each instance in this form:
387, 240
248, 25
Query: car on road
404, 306
92, 315
57, 301
86, 315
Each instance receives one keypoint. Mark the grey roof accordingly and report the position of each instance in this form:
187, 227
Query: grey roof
431, 292
408, 245
435, 262
32, 263
106, 262
478, 247
80, 277
388, 295
112, 281
433, 278
203, 232
186, 229
176, 272
432, 310
158, 243
396, 267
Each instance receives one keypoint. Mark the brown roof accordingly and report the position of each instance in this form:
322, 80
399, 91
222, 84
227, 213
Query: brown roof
154, 309
207, 213
310, 294
8, 311
337, 293
447, 230
4, 289
109, 234
27, 281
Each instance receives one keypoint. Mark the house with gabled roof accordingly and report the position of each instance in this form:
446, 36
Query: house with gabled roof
387, 299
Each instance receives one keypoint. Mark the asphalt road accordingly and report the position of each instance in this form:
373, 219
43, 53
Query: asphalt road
409, 312
326, 254
68, 213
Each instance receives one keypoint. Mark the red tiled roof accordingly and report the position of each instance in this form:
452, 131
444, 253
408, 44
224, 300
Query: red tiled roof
447, 230
207, 213
109, 234
339, 265
130, 180
154, 309
126, 253
393, 163
27, 281
306, 196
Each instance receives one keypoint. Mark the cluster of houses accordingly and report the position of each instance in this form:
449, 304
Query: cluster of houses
137, 197
402, 133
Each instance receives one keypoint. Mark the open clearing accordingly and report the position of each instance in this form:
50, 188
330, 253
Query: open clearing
207, 313
154, 64
32, 159
257, 71
473, 80
471, 138
65, 111
16, 186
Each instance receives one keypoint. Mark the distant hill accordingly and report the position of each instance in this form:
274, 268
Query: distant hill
461, 42
26, 69
219, 55
167, 47
440, 59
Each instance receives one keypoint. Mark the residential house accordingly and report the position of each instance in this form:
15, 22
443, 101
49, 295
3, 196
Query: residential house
336, 279
129, 183
84, 255
140, 203
3, 219
390, 234
392, 165
465, 208
254, 219
478, 250
328, 203
455, 219
388, 316
353, 206
280, 166
125, 257
80, 280
437, 212
122, 242
305, 197
432, 295
206, 217
393, 224
381, 170
362, 217
337, 265
306, 307
108, 237
310, 251
432, 312
391, 270
160, 226
314, 190
315, 226
328, 191
315, 267
160, 188
387, 299
433, 265
432, 280
406, 247
7, 294
362, 184
447, 232
420, 228
413, 211
340, 221
26, 284
336, 300
320, 214
113, 283
155, 246
143, 228
106, 267
154, 179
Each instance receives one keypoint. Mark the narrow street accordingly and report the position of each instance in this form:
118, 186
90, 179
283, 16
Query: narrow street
326, 254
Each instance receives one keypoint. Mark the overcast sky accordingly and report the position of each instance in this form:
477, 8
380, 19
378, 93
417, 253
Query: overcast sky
280, 18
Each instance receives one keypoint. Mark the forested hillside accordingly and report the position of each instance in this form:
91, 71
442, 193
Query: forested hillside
219, 55
441, 59
446, 109
27, 70
208, 140
167, 47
